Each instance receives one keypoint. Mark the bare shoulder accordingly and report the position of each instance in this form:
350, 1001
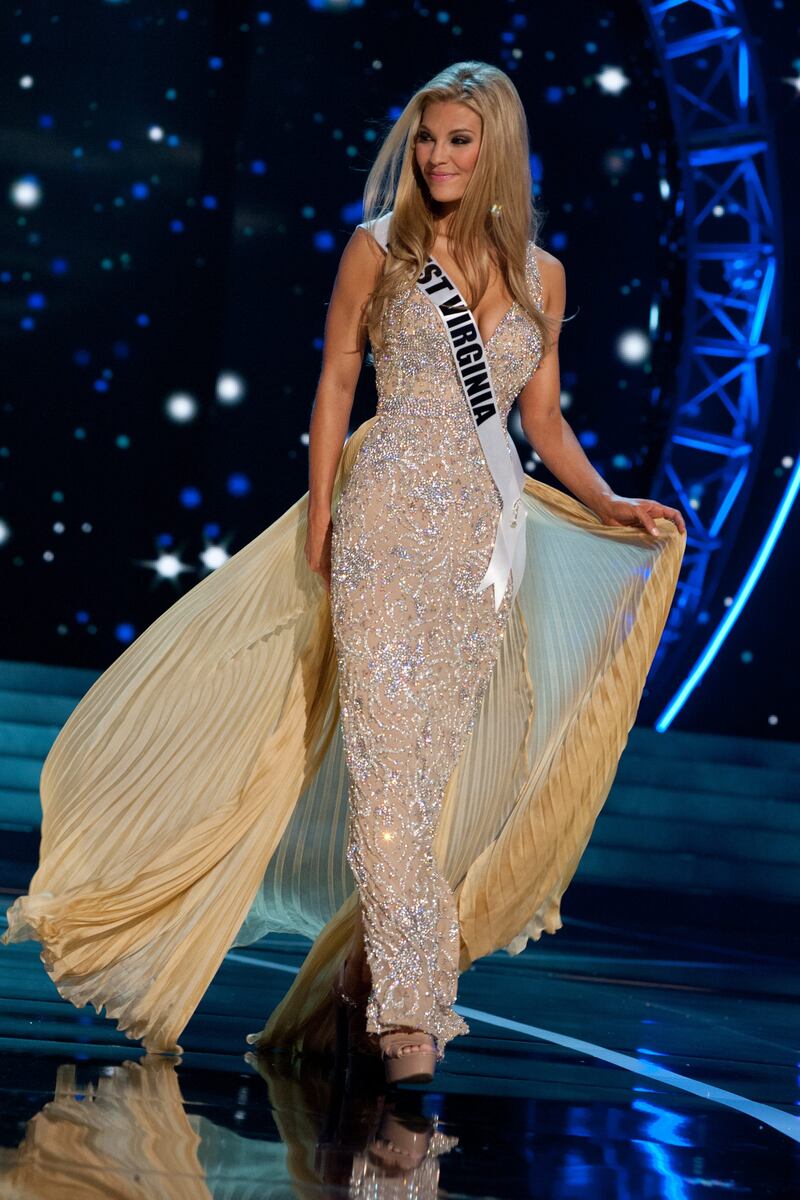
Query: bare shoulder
361, 263
547, 261
363, 246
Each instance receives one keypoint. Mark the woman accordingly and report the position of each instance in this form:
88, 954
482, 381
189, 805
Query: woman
419, 496
205, 790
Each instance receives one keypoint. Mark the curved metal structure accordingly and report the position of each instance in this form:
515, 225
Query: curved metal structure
729, 201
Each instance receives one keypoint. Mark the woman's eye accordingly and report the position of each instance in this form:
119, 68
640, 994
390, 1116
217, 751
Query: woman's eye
457, 141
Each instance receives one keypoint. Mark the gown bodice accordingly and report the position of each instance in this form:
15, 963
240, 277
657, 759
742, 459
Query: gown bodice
415, 371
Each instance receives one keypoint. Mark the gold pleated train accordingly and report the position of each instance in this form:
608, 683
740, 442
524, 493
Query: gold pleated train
196, 798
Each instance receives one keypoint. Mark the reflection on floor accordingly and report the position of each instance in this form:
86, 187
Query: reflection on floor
649, 1049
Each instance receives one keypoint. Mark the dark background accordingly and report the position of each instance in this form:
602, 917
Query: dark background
156, 264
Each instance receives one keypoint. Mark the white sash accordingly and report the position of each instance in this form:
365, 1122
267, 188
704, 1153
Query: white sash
469, 353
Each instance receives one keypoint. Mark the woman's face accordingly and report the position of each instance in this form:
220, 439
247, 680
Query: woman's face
446, 148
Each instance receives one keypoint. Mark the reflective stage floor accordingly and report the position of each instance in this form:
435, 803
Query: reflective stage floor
649, 1049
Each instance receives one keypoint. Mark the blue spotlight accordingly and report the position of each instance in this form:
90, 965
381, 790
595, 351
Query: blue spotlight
324, 240
238, 484
191, 497
352, 213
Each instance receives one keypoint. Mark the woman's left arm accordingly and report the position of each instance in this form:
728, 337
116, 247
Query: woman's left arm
553, 439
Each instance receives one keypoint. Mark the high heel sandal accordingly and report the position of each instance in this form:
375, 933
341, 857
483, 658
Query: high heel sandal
415, 1066
351, 1019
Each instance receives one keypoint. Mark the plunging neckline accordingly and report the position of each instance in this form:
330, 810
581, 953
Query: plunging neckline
486, 341
497, 327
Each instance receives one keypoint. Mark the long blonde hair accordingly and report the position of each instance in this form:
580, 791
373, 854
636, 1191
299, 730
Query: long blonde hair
501, 176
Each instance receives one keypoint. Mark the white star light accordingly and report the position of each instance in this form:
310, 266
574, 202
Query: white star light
612, 80
633, 346
793, 81
25, 192
5, 532
214, 556
231, 388
167, 566
180, 407
155, 133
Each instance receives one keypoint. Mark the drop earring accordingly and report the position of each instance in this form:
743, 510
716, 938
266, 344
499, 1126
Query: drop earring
496, 209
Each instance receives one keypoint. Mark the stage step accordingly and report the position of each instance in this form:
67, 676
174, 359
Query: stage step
26, 739
688, 872
19, 809
679, 746
720, 808
37, 708
676, 773
19, 773
699, 812
38, 677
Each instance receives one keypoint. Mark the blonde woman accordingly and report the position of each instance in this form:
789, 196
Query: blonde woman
390, 721
416, 637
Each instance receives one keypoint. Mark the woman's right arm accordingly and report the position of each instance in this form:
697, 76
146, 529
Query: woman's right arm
342, 357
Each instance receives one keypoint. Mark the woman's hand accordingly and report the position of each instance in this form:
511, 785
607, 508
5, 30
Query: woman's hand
623, 510
318, 545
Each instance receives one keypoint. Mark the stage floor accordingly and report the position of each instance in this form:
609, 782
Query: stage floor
649, 1048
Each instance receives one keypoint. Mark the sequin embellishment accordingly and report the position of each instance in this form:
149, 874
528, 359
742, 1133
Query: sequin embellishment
416, 643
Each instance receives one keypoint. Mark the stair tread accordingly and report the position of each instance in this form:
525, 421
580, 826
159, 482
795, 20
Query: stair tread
37, 677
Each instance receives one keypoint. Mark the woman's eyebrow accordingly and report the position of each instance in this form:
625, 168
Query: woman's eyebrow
462, 129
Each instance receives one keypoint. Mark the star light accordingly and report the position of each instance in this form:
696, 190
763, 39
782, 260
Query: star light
633, 346
5, 532
167, 566
214, 556
180, 407
231, 388
25, 192
612, 80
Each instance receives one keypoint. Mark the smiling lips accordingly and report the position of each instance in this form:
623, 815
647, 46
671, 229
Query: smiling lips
442, 174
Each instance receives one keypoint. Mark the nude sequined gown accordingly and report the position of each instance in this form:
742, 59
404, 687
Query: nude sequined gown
416, 641
267, 755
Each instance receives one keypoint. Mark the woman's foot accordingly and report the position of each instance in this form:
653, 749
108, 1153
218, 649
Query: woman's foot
409, 1055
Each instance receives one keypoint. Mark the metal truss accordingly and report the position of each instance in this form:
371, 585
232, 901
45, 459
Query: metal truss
729, 203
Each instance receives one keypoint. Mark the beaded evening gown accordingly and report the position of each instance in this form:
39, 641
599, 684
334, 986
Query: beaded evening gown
266, 756
416, 641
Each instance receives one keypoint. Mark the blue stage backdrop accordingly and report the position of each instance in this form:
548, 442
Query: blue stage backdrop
179, 184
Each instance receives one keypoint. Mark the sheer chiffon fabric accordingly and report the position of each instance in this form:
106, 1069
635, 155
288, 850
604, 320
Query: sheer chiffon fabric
196, 798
